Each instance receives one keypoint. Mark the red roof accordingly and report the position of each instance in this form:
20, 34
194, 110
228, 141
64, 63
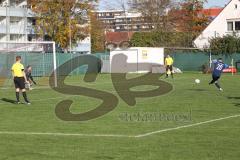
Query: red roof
212, 12
118, 37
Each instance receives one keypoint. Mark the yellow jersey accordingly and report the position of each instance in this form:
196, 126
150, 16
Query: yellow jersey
18, 69
169, 61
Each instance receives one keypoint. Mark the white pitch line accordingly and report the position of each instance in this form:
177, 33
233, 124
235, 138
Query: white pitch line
116, 135
35, 88
65, 134
185, 126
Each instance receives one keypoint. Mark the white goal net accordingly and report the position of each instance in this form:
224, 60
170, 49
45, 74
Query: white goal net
41, 56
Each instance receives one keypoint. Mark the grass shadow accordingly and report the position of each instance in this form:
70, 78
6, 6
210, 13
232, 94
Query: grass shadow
237, 104
9, 100
199, 90
234, 98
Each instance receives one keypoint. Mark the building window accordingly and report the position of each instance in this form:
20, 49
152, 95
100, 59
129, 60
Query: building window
2, 36
237, 25
119, 20
230, 26
236, 6
34, 22
15, 20
14, 37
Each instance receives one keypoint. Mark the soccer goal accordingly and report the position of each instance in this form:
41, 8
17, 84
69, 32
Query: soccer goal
41, 56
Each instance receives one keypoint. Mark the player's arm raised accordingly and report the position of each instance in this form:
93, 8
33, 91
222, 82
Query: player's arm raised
226, 66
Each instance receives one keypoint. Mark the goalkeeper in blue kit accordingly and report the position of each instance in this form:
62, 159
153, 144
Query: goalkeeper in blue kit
218, 67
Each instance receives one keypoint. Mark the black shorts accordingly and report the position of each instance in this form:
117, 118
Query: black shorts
169, 67
19, 82
215, 78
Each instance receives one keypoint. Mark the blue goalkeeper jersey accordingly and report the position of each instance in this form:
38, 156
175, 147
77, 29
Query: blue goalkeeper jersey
218, 68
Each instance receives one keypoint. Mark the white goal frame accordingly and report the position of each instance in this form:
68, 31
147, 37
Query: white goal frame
40, 42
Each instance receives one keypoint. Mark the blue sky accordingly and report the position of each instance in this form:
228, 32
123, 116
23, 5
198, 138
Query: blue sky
216, 3
110, 4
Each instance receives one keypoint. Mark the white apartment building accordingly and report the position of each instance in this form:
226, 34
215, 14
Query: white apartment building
17, 24
16, 21
120, 21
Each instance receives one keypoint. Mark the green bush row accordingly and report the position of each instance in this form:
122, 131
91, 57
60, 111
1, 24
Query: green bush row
228, 44
162, 39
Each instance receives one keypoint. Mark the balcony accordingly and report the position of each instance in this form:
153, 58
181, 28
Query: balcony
16, 12
16, 29
2, 29
18, 3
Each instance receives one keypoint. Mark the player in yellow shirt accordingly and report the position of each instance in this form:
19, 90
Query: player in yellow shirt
19, 79
169, 65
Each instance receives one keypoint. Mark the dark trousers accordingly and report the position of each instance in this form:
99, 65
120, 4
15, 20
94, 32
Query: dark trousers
30, 78
169, 67
215, 81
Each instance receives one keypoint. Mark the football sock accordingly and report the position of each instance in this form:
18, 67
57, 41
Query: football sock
212, 82
17, 96
217, 85
25, 97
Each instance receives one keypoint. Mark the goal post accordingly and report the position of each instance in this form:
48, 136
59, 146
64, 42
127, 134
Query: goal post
33, 52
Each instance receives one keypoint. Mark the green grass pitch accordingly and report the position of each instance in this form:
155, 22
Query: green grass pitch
210, 130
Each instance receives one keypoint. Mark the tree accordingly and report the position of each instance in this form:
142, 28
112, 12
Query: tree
155, 12
191, 18
62, 20
97, 34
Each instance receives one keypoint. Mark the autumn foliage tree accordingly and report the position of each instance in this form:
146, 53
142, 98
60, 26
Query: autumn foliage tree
97, 34
62, 20
191, 18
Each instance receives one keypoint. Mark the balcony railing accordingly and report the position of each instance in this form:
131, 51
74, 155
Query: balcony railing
16, 29
16, 12
2, 29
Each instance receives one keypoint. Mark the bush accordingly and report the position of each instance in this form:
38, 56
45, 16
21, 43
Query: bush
162, 39
225, 45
